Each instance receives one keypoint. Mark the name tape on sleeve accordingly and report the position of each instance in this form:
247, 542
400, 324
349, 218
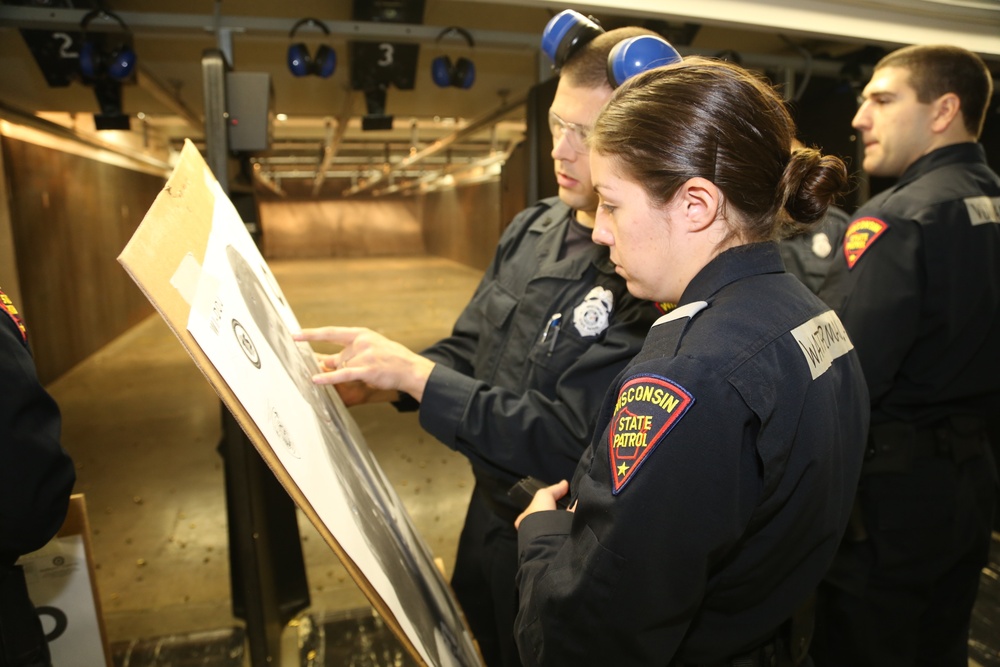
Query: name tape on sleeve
822, 339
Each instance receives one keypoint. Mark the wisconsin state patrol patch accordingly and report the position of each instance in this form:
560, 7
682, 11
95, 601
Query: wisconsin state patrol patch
7, 306
860, 236
648, 407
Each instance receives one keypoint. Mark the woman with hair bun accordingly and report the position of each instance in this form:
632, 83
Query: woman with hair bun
721, 476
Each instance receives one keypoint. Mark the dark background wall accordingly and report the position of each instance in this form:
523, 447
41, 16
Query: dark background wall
823, 116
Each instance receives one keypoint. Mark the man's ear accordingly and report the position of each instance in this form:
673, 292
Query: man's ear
701, 200
946, 111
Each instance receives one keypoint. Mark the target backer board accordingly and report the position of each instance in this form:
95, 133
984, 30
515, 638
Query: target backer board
195, 261
63, 587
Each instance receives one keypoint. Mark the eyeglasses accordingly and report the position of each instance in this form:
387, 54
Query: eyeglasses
576, 135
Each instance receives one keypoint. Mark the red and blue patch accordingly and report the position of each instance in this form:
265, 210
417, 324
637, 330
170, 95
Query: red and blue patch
860, 236
648, 408
7, 306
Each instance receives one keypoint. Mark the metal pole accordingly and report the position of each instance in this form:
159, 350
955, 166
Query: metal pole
213, 69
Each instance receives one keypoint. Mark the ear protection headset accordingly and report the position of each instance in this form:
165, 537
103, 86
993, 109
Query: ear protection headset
568, 31
636, 55
300, 63
565, 33
119, 63
461, 74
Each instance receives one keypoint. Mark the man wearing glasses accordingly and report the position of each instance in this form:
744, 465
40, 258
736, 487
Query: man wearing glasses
517, 385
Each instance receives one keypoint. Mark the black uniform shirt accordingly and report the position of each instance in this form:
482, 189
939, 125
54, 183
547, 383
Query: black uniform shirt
715, 493
517, 385
36, 475
808, 256
917, 286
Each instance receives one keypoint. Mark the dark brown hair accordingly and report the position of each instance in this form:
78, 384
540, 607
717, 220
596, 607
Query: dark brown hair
937, 69
588, 67
712, 119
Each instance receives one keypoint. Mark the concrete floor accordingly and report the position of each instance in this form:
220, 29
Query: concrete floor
143, 424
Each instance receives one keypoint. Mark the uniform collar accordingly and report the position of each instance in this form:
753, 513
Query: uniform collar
962, 153
551, 225
732, 265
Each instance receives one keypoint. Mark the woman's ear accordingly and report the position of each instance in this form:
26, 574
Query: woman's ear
701, 200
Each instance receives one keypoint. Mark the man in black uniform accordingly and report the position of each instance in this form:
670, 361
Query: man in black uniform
517, 385
36, 478
918, 288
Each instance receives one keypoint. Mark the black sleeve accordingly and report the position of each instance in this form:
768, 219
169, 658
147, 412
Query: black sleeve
36, 474
502, 429
879, 301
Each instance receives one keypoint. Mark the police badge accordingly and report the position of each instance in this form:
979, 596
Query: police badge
590, 317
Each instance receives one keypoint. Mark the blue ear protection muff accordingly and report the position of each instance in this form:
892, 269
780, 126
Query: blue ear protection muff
565, 33
461, 74
569, 30
300, 63
119, 63
637, 54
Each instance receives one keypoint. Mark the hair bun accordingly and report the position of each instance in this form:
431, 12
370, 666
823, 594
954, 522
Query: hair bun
811, 183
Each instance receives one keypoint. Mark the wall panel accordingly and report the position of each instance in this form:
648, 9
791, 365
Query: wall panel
463, 223
348, 228
70, 217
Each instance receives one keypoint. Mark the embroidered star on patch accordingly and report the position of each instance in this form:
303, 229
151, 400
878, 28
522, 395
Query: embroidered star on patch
860, 236
648, 407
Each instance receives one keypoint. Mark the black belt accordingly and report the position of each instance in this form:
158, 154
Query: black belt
493, 493
765, 655
894, 446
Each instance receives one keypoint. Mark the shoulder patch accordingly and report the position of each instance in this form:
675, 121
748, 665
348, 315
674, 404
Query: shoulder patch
648, 408
860, 236
7, 306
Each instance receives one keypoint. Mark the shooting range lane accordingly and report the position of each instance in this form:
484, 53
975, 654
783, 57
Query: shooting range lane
142, 424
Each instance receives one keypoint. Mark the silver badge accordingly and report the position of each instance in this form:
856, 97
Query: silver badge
821, 245
590, 317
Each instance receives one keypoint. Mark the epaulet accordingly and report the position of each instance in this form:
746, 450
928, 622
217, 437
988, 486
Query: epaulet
7, 306
539, 210
543, 206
